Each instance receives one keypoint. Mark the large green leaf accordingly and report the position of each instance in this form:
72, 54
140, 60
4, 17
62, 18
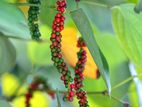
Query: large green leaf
47, 14
23, 64
7, 54
118, 64
128, 27
86, 31
4, 103
99, 16
12, 21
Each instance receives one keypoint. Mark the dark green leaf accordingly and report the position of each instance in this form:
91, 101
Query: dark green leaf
4, 104
12, 21
7, 54
138, 7
47, 14
85, 29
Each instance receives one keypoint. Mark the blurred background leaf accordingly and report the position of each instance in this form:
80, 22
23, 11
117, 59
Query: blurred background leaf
138, 7
4, 103
10, 26
7, 54
127, 25
118, 64
33, 59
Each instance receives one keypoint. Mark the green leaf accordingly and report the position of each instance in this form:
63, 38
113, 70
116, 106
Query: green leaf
134, 96
102, 20
133, 1
104, 2
23, 63
9, 1
12, 22
138, 7
39, 52
47, 14
7, 54
85, 29
118, 64
128, 27
4, 103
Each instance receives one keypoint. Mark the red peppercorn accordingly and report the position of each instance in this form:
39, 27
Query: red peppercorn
80, 65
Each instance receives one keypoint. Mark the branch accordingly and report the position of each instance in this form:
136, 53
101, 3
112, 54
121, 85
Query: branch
28, 40
96, 4
100, 4
125, 81
27, 4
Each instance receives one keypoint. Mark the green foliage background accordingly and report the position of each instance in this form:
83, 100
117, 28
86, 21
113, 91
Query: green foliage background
112, 31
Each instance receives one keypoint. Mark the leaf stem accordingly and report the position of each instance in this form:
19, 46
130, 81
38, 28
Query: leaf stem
125, 81
58, 99
120, 101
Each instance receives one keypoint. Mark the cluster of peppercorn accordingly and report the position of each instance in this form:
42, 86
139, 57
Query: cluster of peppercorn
35, 85
79, 68
70, 94
78, 79
57, 27
33, 15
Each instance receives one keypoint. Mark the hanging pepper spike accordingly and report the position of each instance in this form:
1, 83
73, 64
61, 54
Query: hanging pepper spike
79, 77
33, 16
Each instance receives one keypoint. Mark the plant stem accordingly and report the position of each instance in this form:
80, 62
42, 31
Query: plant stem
27, 4
58, 99
105, 93
95, 3
118, 100
125, 81
28, 40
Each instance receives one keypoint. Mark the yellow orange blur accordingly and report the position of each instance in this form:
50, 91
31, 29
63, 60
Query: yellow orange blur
69, 50
39, 100
10, 83
24, 8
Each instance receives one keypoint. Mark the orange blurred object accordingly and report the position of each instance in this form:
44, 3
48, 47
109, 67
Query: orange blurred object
24, 8
69, 51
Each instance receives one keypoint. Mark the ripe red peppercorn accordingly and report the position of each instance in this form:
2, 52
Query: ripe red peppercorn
79, 77
57, 27
35, 86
